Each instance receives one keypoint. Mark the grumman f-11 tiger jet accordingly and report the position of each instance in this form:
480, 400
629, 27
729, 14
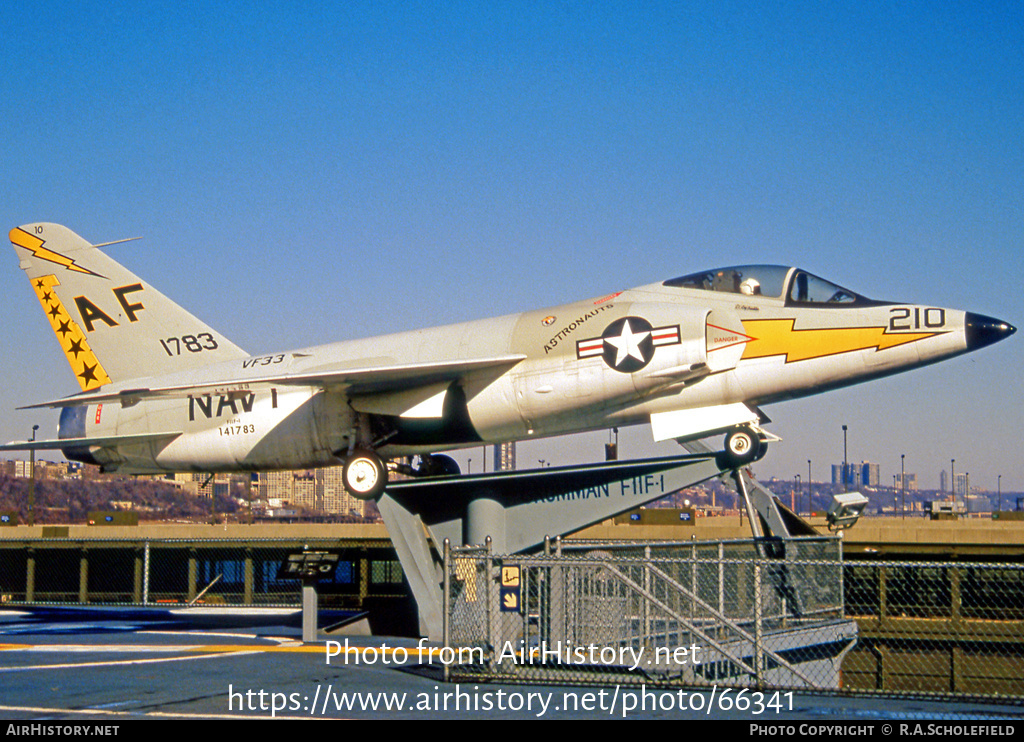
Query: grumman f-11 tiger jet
693, 356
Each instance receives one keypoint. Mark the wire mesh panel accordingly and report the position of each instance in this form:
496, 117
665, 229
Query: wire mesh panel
682, 614
199, 572
936, 627
765, 614
13, 574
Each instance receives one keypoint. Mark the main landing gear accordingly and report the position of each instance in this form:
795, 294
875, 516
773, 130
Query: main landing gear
364, 474
745, 445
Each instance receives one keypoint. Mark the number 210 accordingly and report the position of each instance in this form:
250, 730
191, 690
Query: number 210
905, 318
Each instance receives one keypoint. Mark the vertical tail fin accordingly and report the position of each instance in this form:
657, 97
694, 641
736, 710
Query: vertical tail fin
111, 325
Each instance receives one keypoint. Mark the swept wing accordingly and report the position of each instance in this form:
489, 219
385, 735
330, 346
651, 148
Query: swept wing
357, 381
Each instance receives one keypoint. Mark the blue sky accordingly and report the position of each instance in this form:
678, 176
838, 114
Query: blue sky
306, 172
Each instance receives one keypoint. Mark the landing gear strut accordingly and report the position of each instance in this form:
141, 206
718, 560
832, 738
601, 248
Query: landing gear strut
365, 474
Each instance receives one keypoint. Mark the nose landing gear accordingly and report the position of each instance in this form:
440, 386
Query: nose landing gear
745, 445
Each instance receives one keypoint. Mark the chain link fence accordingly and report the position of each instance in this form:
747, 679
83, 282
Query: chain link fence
783, 615
738, 612
201, 573
936, 627
788, 614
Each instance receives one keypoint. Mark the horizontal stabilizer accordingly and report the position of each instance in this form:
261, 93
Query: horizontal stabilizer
58, 444
355, 380
701, 421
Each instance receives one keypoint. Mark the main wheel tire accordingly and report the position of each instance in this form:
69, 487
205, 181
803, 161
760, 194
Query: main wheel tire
743, 446
364, 474
762, 448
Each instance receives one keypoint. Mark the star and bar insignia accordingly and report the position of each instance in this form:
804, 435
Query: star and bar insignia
628, 343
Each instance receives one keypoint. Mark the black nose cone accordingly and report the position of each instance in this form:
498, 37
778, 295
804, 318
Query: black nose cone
982, 330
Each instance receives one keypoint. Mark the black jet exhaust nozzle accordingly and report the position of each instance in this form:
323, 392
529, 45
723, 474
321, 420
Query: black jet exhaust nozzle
981, 330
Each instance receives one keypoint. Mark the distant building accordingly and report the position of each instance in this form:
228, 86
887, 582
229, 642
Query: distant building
505, 456
943, 507
911, 480
335, 497
943, 481
854, 474
44, 469
316, 490
870, 475
201, 485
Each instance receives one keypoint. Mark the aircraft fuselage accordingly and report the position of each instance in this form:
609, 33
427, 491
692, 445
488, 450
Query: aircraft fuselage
693, 356
611, 361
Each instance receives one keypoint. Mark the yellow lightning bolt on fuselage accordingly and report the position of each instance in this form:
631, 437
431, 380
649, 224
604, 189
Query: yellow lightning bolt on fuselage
775, 337
21, 238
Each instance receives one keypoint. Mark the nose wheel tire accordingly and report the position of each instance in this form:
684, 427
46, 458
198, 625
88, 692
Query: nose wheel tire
364, 474
744, 446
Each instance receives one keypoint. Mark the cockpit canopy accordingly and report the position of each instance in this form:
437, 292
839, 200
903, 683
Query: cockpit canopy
793, 285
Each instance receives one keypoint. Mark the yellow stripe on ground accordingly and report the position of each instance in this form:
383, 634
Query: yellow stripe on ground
380, 651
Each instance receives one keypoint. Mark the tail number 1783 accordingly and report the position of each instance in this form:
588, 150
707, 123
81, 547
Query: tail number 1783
191, 343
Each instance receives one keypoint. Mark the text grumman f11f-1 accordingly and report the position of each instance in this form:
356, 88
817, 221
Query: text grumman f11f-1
693, 356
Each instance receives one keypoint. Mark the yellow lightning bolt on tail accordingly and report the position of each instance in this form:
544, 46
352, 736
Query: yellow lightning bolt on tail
84, 364
21, 238
775, 337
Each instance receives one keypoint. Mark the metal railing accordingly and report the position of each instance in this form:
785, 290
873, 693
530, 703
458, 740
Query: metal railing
199, 572
764, 615
787, 614
753, 614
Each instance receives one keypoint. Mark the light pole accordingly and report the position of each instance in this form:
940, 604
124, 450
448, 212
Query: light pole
32, 480
808, 486
903, 486
952, 479
845, 465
